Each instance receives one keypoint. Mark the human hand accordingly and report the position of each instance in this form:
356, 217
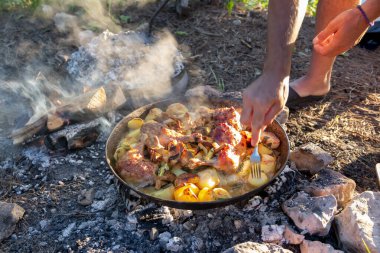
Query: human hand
341, 34
263, 99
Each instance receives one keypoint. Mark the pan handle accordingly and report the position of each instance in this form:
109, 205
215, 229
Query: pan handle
154, 16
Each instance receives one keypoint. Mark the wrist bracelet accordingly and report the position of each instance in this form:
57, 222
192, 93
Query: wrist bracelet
365, 15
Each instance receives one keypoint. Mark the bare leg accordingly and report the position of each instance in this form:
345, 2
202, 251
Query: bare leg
317, 79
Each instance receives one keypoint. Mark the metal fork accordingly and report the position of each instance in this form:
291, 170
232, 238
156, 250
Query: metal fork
255, 164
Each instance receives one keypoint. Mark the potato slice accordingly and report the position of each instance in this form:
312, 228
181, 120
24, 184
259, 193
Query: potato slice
208, 178
176, 109
206, 194
153, 114
257, 182
268, 164
264, 150
270, 140
135, 123
134, 133
187, 193
221, 193
165, 193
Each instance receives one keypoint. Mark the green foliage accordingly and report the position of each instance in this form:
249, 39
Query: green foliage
17, 4
125, 18
181, 33
219, 81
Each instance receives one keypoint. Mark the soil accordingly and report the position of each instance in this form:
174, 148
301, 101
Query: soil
219, 51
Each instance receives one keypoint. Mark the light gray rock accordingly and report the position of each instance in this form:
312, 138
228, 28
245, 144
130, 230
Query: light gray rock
236, 22
10, 214
310, 158
272, 233
250, 247
153, 233
314, 214
65, 22
328, 182
174, 244
86, 197
359, 223
292, 237
317, 247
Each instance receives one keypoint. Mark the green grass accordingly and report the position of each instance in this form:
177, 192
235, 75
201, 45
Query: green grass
19, 4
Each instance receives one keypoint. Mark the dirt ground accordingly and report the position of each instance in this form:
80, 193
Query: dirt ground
227, 54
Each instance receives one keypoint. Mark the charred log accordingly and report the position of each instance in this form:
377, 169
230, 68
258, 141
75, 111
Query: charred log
74, 136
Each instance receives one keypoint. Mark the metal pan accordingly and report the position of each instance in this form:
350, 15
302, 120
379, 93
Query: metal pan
213, 102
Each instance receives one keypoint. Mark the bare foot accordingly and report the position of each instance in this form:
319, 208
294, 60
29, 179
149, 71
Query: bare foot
311, 86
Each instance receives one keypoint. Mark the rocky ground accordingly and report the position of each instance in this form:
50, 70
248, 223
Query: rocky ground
70, 201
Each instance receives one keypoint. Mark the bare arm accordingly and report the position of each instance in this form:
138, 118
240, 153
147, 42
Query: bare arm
345, 30
265, 97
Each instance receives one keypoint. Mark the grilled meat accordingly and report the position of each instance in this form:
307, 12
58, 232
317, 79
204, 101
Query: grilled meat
132, 166
227, 115
225, 133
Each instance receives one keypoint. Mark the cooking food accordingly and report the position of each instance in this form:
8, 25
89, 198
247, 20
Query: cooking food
193, 154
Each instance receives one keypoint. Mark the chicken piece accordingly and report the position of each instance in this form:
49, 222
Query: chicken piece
225, 133
133, 167
227, 160
227, 115
165, 135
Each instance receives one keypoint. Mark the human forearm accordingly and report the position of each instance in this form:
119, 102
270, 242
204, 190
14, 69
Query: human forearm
284, 21
372, 9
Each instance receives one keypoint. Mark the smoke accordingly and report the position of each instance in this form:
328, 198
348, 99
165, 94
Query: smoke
143, 70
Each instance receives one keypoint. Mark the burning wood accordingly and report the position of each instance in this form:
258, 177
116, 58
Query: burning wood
74, 136
85, 107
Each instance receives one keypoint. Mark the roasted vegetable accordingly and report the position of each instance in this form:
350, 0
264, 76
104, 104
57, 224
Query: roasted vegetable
268, 164
135, 123
165, 193
187, 193
176, 110
257, 182
208, 178
220, 193
153, 114
264, 150
206, 194
270, 140
162, 169
245, 168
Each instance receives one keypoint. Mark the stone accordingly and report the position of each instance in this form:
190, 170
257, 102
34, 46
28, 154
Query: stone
317, 247
310, 158
85, 36
236, 22
153, 233
86, 197
359, 223
314, 214
249, 247
10, 214
202, 91
44, 225
174, 244
65, 22
272, 233
292, 237
328, 182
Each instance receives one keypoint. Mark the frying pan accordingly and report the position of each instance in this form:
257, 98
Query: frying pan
213, 102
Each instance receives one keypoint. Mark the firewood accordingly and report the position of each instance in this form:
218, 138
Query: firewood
29, 130
74, 136
54, 122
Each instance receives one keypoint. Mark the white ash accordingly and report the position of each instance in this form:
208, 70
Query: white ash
174, 244
67, 231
